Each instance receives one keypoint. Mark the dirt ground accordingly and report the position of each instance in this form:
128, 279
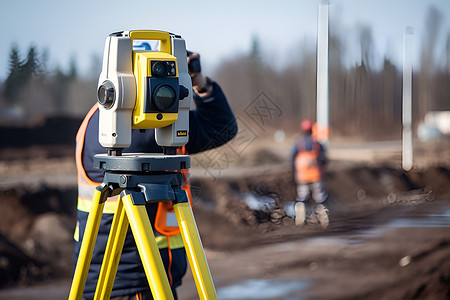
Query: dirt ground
365, 253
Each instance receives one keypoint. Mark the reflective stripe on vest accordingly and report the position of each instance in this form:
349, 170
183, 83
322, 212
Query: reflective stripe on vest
165, 220
306, 165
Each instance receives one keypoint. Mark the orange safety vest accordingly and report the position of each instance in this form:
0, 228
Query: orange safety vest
165, 220
306, 165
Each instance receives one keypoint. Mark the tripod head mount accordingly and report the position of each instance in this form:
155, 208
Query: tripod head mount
142, 162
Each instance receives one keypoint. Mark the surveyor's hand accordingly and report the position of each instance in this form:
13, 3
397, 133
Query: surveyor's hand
200, 83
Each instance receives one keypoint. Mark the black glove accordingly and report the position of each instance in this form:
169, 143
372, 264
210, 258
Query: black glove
201, 85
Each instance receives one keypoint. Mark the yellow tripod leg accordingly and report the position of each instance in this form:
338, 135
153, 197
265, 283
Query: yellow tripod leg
194, 250
148, 250
88, 243
113, 251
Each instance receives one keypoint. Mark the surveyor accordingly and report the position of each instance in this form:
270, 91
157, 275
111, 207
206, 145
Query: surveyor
212, 124
308, 162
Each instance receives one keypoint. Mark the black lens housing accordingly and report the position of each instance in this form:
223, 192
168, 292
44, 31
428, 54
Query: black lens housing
163, 68
106, 94
159, 69
164, 96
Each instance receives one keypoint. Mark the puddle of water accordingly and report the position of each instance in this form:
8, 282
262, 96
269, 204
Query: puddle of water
433, 220
263, 289
424, 219
338, 241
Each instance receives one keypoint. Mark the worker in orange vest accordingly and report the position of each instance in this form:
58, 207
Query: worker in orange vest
308, 160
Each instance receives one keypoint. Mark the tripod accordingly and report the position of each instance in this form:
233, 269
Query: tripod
139, 179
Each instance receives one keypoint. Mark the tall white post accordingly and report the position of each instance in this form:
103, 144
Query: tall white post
407, 147
322, 72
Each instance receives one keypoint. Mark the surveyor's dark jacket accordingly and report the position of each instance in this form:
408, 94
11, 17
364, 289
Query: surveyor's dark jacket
212, 124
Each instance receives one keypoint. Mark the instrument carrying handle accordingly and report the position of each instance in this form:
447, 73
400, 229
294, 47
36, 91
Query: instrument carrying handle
162, 36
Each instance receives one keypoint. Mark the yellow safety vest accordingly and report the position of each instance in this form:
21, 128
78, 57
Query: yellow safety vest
165, 219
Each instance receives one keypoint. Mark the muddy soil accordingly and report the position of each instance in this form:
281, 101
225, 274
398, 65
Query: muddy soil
247, 246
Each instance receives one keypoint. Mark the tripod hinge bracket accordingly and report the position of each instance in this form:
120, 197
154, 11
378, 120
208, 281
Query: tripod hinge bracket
157, 192
105, 191
180, 195
136, 197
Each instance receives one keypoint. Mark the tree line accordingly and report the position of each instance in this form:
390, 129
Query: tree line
32, 89
365, 99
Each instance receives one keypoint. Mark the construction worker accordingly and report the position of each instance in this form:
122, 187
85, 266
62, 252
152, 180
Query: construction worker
308, 161
211, 124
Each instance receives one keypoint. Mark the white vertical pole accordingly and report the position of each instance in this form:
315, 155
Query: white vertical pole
407, 147
322, 68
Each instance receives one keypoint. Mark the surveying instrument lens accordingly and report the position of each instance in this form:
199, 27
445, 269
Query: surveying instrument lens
159, 69
106, 94
164, 97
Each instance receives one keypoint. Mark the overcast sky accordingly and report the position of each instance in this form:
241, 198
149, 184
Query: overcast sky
215, 29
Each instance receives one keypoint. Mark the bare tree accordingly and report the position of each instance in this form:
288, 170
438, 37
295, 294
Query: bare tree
366, 46
432, 26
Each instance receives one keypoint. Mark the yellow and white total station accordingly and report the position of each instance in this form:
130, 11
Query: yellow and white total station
142, 89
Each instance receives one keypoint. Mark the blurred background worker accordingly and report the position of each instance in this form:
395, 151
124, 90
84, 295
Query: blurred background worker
308, 161
211, 124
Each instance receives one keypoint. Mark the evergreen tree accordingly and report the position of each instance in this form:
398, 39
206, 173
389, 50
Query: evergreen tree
255, 51
255, 66
73, 72
20, 73
13, 81
30, 67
